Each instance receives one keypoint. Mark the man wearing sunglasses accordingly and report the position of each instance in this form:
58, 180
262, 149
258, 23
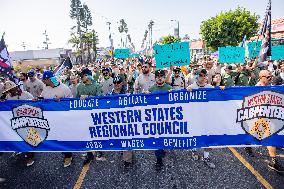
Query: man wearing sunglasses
160, 85
201, 82
145, 80
106, 81
118, 89
34, 85
264, 80
176, 79
87, 88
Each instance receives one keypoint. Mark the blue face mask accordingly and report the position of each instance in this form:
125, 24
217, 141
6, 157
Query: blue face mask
54, 81
90, 78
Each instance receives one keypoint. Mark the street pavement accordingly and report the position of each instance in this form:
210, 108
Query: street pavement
180, 171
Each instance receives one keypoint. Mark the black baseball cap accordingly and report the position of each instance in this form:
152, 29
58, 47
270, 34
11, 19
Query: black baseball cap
160, 73
201, 71
117, 79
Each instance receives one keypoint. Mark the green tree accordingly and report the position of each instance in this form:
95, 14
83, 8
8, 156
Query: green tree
168, 40
82, 39
229, 28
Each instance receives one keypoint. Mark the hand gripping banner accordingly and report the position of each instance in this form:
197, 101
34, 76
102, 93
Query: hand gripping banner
171, 120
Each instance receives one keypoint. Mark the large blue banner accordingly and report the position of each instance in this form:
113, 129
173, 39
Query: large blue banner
170, 120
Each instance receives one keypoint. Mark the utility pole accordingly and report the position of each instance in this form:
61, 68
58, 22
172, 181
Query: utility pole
79, 31
46, 42
94, 45
24, 45
110, 39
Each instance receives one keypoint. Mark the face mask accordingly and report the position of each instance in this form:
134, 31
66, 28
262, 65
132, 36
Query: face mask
54, 81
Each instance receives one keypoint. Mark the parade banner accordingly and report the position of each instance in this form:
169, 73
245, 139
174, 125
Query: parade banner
169, 120
121, 53
174, 54
231, 55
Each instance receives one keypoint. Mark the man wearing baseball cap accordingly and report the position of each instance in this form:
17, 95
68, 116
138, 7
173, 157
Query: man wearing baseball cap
56, 90
160, 85
202, 82
106, 81
127, 156
34, 85
88, 88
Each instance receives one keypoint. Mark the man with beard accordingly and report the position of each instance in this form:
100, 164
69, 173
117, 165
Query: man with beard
34, 85
73, 85
264, 80
88, 88
202, 82
160, 85
23, 81
176, 79
106, 81
118, 89
56, 90
145, 80
14, 92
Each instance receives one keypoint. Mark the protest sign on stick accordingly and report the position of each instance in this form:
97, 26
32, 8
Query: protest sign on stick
174, 54
231, 55
121, 53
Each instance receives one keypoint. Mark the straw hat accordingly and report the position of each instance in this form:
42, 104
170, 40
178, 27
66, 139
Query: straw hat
8, 85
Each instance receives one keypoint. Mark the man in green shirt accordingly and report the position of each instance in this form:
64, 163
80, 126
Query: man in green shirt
87, 88
160, 85
242, 78
228, 77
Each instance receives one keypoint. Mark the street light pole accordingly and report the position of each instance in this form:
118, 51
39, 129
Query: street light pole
79, 31
177, 27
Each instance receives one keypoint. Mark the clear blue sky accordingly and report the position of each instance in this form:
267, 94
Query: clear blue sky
26, 20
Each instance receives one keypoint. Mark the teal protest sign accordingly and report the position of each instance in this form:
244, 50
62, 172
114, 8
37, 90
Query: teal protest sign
174, 54
231, 55
254, 49
277, 52
121, 53
134, 55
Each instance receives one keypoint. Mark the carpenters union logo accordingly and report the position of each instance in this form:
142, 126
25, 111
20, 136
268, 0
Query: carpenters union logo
29, 123
262, 114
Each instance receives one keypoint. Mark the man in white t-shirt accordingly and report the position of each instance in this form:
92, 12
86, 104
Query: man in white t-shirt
34, 85
56, 90
201, 82
106, 81
145, 80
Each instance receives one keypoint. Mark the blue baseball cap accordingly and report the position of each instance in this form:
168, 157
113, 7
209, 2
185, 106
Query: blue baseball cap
31, 73
47, 74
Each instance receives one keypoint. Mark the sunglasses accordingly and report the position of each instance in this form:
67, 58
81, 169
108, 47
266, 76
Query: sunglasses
145, 67
177, 71
267, 77
159, 76
105, 73
202, 75
116, 82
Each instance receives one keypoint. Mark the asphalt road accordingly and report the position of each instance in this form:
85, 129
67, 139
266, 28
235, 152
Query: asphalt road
179, 171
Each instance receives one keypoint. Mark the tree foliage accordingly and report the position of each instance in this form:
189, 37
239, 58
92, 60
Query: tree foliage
86, 44
168, 40
229, 28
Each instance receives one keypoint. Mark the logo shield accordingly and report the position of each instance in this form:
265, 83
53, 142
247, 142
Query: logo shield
29, 123
262, 114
